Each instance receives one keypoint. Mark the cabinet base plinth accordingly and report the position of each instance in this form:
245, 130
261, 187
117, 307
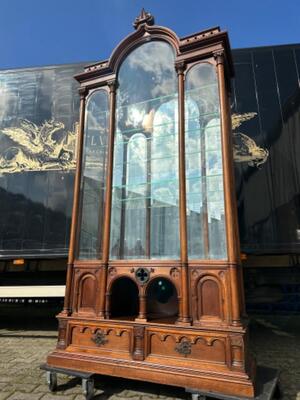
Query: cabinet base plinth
267, 387
230, 384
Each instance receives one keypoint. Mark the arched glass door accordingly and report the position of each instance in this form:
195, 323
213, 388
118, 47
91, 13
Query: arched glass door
145, 221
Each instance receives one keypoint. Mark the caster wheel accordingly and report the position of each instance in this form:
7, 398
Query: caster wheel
278, 394
52, 381
88, 388
196, 396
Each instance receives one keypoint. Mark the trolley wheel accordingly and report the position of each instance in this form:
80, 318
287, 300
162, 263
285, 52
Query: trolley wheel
198, 396
52, 381
88, 388
278, 393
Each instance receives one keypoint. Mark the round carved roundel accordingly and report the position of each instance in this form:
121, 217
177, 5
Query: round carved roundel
142, 275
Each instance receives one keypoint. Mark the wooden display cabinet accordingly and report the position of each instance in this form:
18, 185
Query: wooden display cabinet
154, 284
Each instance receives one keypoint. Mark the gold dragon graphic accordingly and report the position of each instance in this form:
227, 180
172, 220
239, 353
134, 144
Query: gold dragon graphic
37, 148
51, 147
245, 150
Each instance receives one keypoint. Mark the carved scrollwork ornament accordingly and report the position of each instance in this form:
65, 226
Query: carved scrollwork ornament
222, 274
195, 273
112, 271
184, 347
174, 273
99, 338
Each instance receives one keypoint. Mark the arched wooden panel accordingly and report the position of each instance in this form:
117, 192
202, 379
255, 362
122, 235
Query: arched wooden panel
209, 298
87, 293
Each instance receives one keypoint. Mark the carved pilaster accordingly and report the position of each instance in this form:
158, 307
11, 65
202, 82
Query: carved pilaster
138, 348
62, 332
237, 351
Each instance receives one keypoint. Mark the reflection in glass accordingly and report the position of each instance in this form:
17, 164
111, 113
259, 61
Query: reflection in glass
204, 173
93, 176
145, 182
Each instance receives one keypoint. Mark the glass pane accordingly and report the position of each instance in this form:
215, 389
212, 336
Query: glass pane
204, 173
93, 175
145, 222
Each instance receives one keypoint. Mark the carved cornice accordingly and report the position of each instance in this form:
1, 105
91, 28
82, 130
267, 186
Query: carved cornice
144, 18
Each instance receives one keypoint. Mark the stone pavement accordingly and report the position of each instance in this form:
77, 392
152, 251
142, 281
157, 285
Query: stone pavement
24, 346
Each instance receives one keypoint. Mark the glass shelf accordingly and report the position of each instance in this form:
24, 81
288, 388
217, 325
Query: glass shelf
169, 96
141, 129
158, 182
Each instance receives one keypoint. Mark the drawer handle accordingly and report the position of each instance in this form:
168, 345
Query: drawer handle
99, 338
184, 347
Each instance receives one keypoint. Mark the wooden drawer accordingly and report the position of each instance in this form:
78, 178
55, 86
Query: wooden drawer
197, 348
109, 340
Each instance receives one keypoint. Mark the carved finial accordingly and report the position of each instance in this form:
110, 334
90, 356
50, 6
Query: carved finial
143, 18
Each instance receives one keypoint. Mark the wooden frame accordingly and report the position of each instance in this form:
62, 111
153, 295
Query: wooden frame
206, 347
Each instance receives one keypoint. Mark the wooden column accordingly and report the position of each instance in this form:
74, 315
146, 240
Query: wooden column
148, 199
231, 220
184, 317
76, 198
108, 196
142, 317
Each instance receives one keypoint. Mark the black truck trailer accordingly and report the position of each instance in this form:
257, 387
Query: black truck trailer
39, 110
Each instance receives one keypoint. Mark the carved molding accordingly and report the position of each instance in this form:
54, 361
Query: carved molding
95, 67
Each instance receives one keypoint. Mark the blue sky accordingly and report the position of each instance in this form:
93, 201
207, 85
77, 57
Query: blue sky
47, 32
